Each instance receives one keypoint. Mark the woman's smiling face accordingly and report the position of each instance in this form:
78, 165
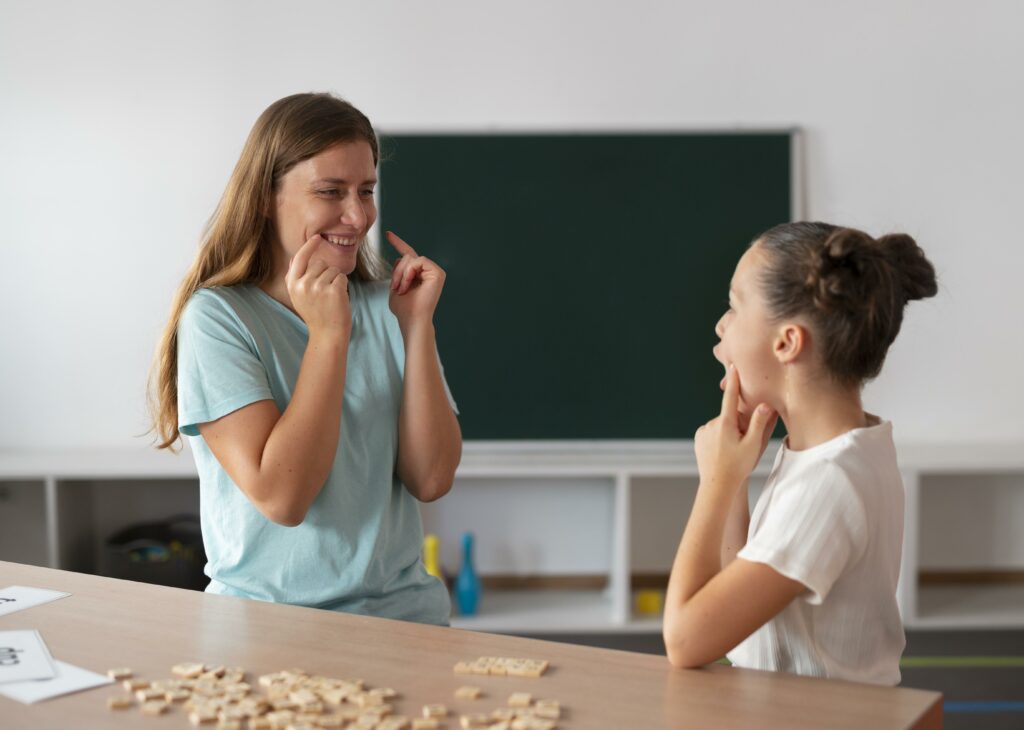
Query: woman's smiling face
330, 194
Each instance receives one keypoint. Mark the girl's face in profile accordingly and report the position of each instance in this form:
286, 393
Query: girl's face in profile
747, 336
330, 194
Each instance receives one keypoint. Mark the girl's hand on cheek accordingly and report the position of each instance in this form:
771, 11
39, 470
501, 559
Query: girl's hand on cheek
727, 452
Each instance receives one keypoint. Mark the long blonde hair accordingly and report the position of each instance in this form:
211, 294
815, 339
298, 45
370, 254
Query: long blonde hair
237, 244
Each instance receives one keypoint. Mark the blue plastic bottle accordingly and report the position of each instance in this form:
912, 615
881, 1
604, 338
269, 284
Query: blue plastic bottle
467, 584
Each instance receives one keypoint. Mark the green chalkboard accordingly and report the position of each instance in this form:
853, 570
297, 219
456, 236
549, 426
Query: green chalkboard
585, 271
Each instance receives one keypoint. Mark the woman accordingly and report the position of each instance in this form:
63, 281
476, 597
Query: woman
311, 390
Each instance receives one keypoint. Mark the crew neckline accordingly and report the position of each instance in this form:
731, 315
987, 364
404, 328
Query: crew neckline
876, 425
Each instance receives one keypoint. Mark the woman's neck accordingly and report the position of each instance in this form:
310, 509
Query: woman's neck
276, 287
816, 413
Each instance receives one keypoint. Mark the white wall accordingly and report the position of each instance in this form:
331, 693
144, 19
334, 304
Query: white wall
120, 121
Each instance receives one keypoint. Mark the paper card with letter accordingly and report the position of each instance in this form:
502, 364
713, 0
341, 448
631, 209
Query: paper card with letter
24, 656
69, 679
15, 598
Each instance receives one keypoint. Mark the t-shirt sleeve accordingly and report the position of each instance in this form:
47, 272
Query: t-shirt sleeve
811, 531
219, 370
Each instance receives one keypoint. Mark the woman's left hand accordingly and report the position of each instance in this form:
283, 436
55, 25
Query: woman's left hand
726, 455
416, 285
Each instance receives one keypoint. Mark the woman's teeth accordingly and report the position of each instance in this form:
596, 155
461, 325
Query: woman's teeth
340, 240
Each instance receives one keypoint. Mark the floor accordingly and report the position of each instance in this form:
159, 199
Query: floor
979, 673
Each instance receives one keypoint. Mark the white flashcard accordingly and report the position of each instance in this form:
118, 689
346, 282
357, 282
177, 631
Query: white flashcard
23, 655
69, 679
15, 598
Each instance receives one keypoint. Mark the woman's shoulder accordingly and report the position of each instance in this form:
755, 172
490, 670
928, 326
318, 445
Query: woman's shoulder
220, 304
203, 303
209, 297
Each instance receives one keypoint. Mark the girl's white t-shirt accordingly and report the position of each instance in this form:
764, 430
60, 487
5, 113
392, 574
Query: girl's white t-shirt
831, 517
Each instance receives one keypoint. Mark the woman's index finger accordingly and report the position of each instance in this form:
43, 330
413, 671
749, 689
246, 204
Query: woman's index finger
299, 262
401, 246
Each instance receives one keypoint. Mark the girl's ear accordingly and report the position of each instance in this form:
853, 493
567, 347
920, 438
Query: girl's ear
790, 342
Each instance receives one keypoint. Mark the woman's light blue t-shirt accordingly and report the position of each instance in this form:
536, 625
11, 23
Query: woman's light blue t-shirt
358, 549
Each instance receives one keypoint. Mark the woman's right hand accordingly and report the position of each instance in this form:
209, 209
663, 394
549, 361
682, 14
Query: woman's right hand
319, 292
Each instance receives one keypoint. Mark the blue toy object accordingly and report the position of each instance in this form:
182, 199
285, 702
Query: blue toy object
467, 584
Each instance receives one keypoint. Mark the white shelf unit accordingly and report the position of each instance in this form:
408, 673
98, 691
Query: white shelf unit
622, 468
69, 481
953, 477
625, 471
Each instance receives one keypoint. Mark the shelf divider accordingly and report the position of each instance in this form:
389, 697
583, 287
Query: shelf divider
619, 580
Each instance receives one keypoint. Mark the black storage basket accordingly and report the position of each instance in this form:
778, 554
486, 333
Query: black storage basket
169, 553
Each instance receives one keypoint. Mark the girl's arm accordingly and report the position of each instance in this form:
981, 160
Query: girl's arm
429, 437
723, 611
281, 460
708, 609
737, 525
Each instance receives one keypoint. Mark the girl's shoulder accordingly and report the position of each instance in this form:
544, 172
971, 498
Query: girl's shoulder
857, 466
869, 442
864, 452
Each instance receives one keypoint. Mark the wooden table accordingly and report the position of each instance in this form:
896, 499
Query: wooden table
108, 623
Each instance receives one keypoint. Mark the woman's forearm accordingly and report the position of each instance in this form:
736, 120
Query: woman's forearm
429, 438
300, 450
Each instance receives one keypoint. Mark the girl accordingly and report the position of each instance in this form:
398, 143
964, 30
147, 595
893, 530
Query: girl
310, 388
807, 584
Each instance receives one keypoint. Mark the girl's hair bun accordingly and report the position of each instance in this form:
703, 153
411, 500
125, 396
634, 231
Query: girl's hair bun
842, 269
912, 269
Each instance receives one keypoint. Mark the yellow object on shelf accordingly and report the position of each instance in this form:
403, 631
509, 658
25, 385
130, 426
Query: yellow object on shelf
430, 561
649, 602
